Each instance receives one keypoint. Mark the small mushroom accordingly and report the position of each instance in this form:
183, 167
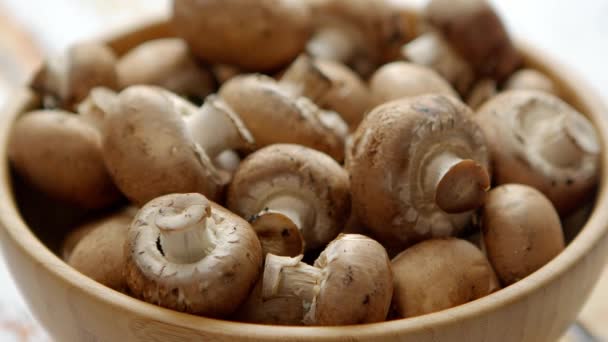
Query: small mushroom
254, 35
60, 154
188, 254
67, 79
350, 283
431, 50
521, 231
294, 118
482, 91
167, 63
475, 32
530, 79
150, 150
400, 80
296, 197
99, 251
418, 168
538, 140
435, 275
360, 33
348, 96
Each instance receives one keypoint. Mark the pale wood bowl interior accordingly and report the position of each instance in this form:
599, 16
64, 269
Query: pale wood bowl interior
75, 308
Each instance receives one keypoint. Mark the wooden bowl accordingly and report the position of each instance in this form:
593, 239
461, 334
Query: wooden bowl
74, 308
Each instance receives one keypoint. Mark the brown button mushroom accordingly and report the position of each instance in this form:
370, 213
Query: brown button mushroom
156, 143
291, 193
360, 33
167, 63
99, 254
538, 140
418, 168
61, 155
351, 283
67, 79
530, 79
475, 31
400, 80
435, 275
521, 231
431, 50
189, 254
284, 112
254, 35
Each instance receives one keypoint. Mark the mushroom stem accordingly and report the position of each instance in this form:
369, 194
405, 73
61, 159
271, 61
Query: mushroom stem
186, 235
289, 277
304, 78
332, 43
295, 208
214, 128
565, 141
459, 185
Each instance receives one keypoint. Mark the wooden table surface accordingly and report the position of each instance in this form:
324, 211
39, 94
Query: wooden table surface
574, 33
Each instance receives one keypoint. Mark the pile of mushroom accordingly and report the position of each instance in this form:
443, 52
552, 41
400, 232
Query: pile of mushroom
224, 170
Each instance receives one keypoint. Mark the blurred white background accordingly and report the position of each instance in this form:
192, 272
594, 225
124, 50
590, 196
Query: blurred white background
574, 31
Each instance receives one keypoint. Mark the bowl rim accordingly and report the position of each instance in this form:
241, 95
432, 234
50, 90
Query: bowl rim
577, 91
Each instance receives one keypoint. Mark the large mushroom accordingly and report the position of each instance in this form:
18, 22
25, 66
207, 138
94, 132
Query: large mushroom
538, 140
189, 254
61, 154
418, 168
435, 275
156, 143
254, 35
167, 63
521, 231
399, 80
350, 283
295, 197
285, 112
67, 79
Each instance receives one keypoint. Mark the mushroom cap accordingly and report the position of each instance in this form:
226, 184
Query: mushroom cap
60, 154
149, 150
276, 311
95, 107
167, 63
349, 95
435, 275
530, 79
69, 78
477, 33
521, 231
357, 286
273, 116
254, 35
523, 130
400, 80
100, 254
292, 169
214, 286
391, 150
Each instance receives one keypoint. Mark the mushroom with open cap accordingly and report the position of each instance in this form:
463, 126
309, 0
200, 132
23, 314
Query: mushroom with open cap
350, 283
67, 79
189, 254
400, 80
538, 140
418, 169
156, 143
295, 197
476, 33
361, 33
60, 154
167, 63
521, 231
435, 275
96, 249
285, 111
254, 35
